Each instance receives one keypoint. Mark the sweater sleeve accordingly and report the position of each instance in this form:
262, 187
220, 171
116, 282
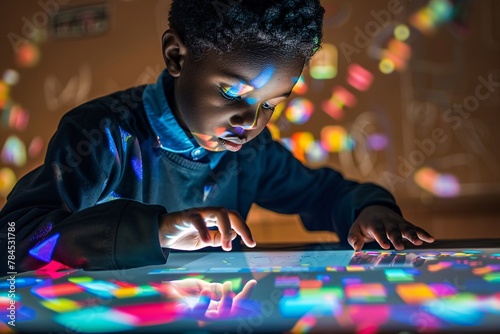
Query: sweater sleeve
322, 197
54, 212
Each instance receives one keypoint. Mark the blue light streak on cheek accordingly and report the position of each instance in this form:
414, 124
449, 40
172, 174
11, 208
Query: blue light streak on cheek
263, 77
250, 100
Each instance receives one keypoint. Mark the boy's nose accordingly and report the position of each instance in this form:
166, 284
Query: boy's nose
247, 120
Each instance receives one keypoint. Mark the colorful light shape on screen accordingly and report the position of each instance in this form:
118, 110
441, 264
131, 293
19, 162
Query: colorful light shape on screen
8, 179
60, 305
14, 151
341, 97
304, 324
44, 250
367, 318
104, 320
463, 309
415, 293
27, 54
300, 87
56, 290
398, 275
155, 313
321, 301
368, 293
299, 110
334, 139
359, 77
441, 185
324, 64
316, 153
100, 288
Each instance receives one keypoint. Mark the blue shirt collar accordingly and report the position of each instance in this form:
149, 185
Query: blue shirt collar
170, 135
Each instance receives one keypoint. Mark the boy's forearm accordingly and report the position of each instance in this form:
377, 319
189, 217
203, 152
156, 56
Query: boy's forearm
114, 235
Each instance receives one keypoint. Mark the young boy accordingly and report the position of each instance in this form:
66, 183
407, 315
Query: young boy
131, 175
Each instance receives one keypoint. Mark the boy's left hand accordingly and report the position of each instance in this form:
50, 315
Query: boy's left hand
384, 225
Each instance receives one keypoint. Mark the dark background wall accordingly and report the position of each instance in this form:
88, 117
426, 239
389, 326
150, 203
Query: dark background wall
426, 129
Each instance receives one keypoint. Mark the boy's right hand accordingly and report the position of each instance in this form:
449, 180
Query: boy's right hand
188, 229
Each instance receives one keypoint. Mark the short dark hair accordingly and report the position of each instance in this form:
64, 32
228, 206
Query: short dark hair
287, 27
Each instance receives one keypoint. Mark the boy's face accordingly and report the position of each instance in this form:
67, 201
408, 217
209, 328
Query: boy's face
226, 102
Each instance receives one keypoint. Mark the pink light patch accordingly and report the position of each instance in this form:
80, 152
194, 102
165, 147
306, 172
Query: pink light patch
443, 289
151, 314
359, 77
340, 97
57, 290
35, 147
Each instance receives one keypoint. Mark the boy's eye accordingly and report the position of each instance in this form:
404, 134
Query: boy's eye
227, 94
268, 106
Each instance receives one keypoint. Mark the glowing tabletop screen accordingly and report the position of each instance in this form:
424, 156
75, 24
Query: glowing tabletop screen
372, 291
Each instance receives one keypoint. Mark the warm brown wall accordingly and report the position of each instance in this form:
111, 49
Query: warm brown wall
444, 70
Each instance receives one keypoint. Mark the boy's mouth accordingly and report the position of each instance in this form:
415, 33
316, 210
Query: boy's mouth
232, 144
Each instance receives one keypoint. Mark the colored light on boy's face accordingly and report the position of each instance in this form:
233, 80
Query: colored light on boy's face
233, 99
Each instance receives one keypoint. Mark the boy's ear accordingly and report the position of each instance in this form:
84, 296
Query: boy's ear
174, 52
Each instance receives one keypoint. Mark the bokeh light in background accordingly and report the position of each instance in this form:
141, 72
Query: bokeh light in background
324, 64
334, 139
430, 17
389, 52
10, 77
14, 152
377, 141
299, 110
359, 77
402, 32
35, 147
315, 153
7, 180
15, 117
439, 184
28, 55
341, 98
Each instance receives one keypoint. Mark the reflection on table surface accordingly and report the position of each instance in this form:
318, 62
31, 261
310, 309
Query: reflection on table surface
370, 291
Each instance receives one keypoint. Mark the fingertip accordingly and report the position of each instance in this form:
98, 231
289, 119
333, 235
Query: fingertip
356, 243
